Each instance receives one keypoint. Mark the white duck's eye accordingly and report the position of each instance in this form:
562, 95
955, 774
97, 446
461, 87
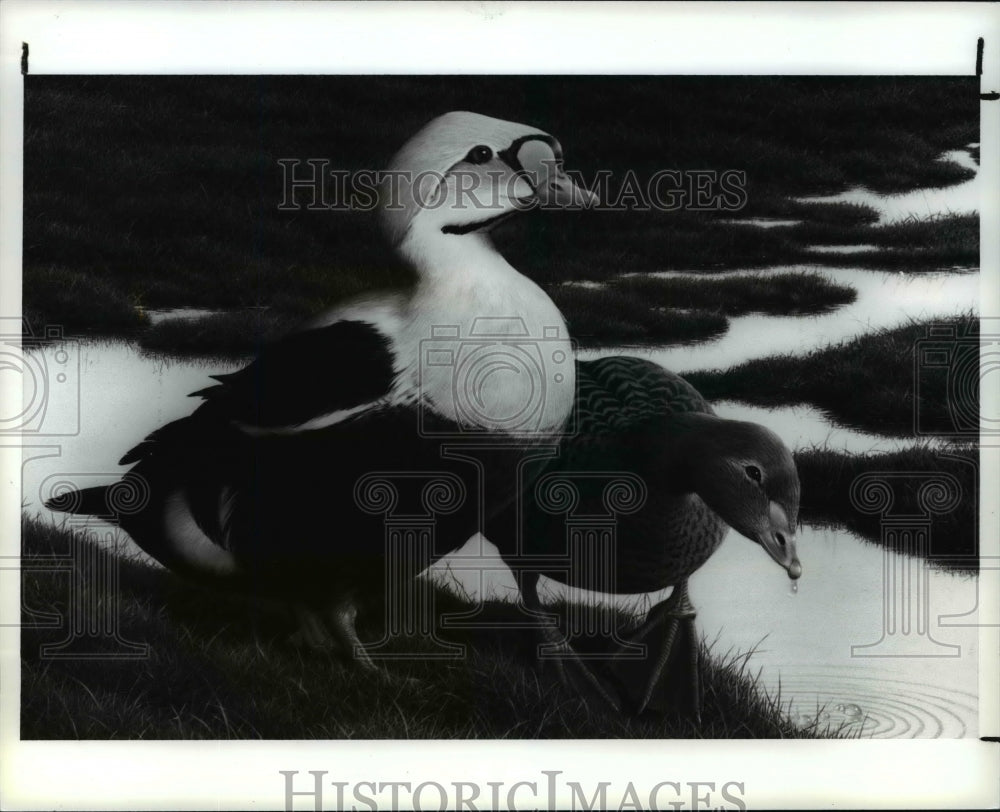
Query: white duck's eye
753, 472
479, 155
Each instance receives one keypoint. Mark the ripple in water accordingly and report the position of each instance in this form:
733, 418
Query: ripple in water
874, 706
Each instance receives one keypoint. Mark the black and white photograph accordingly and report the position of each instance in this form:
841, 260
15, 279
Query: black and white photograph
651, 411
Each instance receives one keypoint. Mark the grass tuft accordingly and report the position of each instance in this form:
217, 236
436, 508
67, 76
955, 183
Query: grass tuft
782, 294
827, 477
234, 334
912, 245
616, 315
881, 382
61, 295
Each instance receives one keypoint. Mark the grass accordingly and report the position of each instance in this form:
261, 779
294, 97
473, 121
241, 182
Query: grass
621, 316
781, 294
646, 310
912, 245
234, 334
55, 294
842, 215
554, 250
827, 477
881, 382
219, 668
164, 191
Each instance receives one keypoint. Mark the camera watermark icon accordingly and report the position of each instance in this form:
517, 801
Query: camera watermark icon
497, 378
977, 616
906, 547
953, 366
47, 364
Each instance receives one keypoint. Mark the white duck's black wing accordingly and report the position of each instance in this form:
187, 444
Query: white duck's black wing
245, 464
309, 375
314, 377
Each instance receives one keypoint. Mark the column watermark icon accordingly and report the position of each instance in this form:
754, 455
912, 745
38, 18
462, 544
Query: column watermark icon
409, 541
906, 555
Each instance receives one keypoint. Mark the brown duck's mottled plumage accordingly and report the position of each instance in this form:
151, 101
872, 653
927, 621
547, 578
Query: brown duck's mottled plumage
636, 418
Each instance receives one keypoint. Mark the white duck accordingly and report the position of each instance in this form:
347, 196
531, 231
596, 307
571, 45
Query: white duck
256, 489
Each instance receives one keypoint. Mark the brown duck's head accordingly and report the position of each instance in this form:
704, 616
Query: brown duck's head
747, 475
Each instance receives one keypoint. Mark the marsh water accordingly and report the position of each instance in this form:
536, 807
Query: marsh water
831, 648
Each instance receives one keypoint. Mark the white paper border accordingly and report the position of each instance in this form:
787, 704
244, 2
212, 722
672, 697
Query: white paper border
617, 38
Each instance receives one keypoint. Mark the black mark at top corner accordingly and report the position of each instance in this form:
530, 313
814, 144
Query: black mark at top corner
24, 59
980, 46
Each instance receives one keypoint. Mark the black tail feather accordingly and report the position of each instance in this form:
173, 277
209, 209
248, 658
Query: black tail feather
89, 501
137, 453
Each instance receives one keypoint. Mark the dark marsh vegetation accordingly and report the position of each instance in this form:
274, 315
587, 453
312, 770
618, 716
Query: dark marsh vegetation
158, 192
211, 674
875, 382
827, 478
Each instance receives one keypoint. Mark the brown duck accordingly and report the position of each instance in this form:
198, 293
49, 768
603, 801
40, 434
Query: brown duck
647, 449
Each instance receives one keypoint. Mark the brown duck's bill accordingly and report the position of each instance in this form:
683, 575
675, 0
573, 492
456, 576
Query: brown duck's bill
781, 547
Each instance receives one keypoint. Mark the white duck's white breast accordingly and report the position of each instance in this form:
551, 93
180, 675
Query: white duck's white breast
485, 347
481, 346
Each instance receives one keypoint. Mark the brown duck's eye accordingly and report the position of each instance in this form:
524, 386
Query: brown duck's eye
753, 472
479, 155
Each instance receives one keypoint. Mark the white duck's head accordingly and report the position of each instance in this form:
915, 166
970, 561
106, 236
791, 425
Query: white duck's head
463, 173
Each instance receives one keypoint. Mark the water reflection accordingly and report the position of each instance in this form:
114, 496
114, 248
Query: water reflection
765, 222
120, 397
843, 249
877, 703
811, 643
179, 313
